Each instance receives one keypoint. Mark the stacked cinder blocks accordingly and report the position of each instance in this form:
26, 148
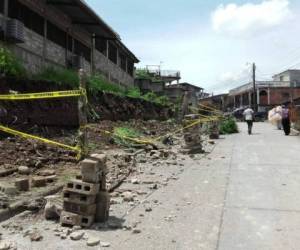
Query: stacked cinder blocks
86, 199
192, 134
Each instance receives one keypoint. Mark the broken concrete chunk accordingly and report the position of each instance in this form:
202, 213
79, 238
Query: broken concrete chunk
5, 245
91, 242
22, 184
39, 182
24, 170
47, 172
77, 235
104, 244
36, 236
128, 196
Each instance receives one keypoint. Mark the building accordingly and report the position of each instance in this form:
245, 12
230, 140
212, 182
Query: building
147, 85
176, 92
220, 101
65, 33
284, 87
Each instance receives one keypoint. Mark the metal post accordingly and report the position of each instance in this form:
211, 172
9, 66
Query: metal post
93, 42
82, 115
254, 87
5, 14
269, 96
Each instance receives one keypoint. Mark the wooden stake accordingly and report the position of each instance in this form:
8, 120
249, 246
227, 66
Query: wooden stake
82, 115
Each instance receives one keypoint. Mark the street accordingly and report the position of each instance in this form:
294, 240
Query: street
243, 195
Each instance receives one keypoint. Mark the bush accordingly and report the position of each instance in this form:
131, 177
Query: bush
10, 65
134, 92
228, 126
98, 82
61, 76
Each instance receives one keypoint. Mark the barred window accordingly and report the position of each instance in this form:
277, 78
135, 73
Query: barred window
82, 50
31, 19
2, 6
56, 35
101, 45
123, 61
113, 53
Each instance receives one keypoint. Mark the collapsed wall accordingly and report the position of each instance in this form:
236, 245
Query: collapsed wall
63, 112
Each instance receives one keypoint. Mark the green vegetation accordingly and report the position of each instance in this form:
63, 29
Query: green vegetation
134, 93
152, 97
10, 65
121, 135
61, 76
144, 74
228, 126
98, 82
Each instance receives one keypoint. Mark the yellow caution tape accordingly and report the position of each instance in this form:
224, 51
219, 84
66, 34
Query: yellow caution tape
44, 95
34, 137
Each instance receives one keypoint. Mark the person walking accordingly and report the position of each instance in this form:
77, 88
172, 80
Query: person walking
249, 117
286, 121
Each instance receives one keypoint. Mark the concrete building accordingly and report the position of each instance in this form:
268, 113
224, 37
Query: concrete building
64, 33
177, 91
220, 101
284, 87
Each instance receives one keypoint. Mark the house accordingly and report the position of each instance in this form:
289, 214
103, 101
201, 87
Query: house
220, 101
65, 33
176, 92
284, 87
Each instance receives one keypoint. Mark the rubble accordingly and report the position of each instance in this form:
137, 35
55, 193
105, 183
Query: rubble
24, 170
77, 235
104, 244
91, 242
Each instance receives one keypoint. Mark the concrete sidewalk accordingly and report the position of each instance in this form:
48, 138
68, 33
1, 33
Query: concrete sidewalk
262, 202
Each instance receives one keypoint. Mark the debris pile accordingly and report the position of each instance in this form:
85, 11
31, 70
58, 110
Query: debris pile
214, 132
86, 199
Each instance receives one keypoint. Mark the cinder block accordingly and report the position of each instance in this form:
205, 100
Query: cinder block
39, 182
101, 159
92, 177
22, 184
89, 166
102, 210
81, 187
82, 199
79, 209
71, 219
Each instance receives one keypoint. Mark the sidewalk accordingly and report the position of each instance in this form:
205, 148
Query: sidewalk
262, 206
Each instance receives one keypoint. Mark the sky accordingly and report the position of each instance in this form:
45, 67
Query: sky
211, 42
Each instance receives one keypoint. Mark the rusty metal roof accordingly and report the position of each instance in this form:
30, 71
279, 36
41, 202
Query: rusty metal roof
81, 14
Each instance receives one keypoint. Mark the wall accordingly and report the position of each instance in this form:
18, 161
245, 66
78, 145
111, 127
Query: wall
63, 112
112, 71
146, 85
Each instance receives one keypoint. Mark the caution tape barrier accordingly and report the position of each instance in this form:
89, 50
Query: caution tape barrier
34, 137
44, 95
152, 141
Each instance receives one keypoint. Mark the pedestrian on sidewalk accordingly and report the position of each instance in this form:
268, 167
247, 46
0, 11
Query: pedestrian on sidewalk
286, 120
249, 117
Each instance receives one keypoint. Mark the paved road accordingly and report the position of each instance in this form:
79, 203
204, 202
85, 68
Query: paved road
244, 195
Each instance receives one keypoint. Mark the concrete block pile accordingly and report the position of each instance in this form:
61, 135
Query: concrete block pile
86, 199
192, 135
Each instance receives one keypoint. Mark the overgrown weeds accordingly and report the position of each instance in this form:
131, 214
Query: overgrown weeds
228, 126
122, 136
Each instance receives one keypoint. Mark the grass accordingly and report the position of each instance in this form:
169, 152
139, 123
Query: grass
63, 77
121, 133
228, 126
98, 82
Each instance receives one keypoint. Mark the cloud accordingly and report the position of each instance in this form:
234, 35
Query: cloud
250, 17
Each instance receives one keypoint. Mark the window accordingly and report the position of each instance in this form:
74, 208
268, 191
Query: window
82, 50
123, 61
130, 67
263, 93
56, 35
2, 6
113, 53
101, 45
31, 19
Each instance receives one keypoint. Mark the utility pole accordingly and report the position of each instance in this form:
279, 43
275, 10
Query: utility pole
254, 87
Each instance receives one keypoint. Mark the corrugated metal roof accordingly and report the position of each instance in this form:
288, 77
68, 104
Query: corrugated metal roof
81, 14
